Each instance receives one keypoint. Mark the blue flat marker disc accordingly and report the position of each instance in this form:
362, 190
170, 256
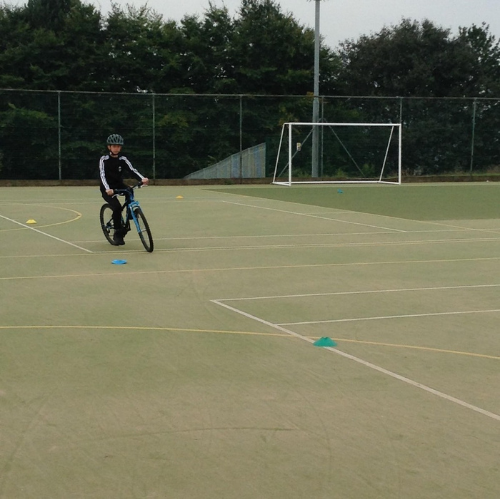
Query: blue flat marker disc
118, 261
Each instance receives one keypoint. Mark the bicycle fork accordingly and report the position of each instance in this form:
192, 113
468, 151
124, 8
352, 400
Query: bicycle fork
132, 207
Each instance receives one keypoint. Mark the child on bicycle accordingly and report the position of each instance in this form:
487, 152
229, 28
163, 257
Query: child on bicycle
112, 166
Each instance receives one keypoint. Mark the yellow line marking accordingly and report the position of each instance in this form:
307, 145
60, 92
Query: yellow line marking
78, 216
248, 268
235, 332
404, 346
143, 328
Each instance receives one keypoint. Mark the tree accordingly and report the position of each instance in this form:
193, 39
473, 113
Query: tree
272, 53
32, 151
83, 40
14, 35
131, 48
419, 59
416, 59
206, 57
48, 14
483, 53
61, 54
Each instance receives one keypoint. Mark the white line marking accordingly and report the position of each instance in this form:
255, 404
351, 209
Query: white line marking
374, 318
361, 292
45, 234
314, 216
230, 269
315, 245
436, 223
367, 364
326, 235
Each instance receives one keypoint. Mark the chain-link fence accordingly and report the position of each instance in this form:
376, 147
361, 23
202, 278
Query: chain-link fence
61, 135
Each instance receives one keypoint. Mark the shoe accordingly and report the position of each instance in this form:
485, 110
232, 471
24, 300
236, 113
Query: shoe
118, 239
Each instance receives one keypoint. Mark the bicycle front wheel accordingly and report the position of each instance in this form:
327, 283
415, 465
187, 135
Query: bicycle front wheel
107, 225
143, 230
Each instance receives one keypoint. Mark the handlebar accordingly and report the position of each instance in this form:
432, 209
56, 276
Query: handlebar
127, 191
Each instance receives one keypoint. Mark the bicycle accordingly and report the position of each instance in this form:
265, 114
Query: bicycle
131, 210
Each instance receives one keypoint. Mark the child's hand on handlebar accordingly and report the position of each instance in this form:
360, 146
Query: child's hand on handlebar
110, 192
145, 181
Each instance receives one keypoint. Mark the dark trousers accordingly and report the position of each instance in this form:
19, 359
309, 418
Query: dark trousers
117, 211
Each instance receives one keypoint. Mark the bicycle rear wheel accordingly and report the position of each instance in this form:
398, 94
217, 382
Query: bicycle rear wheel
107, 225
143, 230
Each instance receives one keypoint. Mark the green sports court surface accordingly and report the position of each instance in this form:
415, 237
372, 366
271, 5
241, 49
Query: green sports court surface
193, 371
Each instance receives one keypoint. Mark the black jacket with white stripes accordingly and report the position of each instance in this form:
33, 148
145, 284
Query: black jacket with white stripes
112, 170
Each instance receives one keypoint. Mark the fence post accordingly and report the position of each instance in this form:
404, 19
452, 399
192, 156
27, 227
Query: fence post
322, 131
153, 106
59, 133
401, 139
241, 138
473, 139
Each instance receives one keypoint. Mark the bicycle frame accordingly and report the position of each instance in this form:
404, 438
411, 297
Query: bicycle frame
130, 204
133, 211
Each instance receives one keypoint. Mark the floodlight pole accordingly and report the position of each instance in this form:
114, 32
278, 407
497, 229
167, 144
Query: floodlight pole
315, 117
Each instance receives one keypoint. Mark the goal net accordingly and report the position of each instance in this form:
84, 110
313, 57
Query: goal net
338, 153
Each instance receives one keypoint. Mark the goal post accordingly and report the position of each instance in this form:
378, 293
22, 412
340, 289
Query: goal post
348, 153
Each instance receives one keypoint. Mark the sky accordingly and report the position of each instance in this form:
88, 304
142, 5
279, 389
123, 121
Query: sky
340, 19
346, 19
